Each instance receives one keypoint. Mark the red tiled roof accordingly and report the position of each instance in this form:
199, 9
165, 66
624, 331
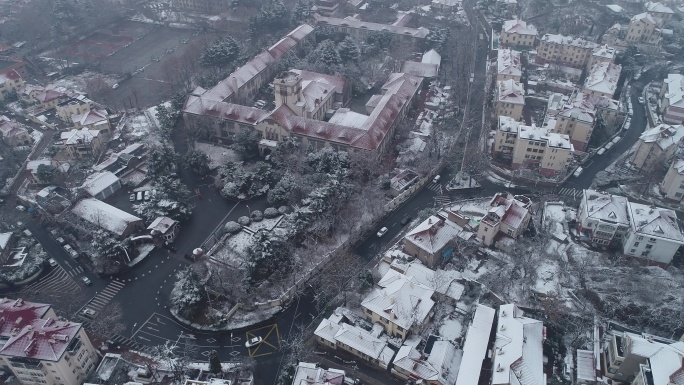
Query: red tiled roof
9, 75
235, 112
17, 313
43, 339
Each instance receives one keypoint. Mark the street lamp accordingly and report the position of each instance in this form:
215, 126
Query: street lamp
249, 210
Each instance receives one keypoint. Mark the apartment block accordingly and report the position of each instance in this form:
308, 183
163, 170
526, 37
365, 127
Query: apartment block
509, 99
672, 185
643, 29
507, 217
657, 145
672, 99
565, 50
653, 234
508, 65
533, 147
602, 79
660, 12
517, 33
600, 54
39, 349
602, 218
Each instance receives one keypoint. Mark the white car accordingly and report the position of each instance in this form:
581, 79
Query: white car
60, 240
253, 342
52, 262
73, 253
88, 312
382, 232
641, 99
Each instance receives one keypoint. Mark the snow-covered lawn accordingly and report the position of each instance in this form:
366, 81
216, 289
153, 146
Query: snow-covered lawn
218, 155
474, 206
266, 223
556, 216
451, 329
547, 278
235, 248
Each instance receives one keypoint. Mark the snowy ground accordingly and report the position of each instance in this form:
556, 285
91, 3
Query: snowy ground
474, 206
78, 82
266, 223
462, 180
218, 155
451, 329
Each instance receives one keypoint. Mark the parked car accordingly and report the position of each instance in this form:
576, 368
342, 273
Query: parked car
436, 179
88, 312
609, 146
52, 262
87, 281
73, 253
601, 151
405, 220
253, 342
60, 240
578, 172
139, 196
147, 195
382, 232
641, 99
132, 197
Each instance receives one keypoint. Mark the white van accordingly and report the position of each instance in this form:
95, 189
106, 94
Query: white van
578, 172
436, 179
601, 151
139, 196
616, 139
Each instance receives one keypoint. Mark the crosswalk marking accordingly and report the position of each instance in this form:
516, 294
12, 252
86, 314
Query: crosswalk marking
76, 271
56, 281
121, 340
101, 300
436, 187
571, 192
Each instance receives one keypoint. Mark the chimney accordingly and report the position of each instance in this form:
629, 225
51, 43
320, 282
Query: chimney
234, 83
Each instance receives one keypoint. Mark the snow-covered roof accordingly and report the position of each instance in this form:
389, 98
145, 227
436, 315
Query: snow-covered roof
311, 374
675, 90
434, 233
4, 240
162, 224
90, 117
364, 343
518, 26
327, 330
97, 182
440, 366
508, 209
568, 40
424, 70
665, 135
657, 7
603, 78
441, 281
654, 222
580, 106
80, 136
518, 354
106, 216
604, 51
615, 8
349, 118
586, 366
508, 62
475, 346
545, 133
678, 165
10, 128
19, 313
350, 22
605, 207
9, 75
404, 302
663, 357
644, 17
510, 91
42, 339
431, 57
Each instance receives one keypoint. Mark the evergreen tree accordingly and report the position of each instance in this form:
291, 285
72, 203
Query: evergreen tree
197, 161
46, 173
214, 362
326, 54
221, 53
348, 50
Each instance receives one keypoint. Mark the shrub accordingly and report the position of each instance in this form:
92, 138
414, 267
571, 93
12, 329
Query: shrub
283, 209
271, 212
256, 216
232, 227
245, 221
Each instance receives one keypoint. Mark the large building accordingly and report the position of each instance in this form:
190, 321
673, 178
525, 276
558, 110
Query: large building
518, 357
661, 13
476, 345
653, 234
602, 218
657, 145
411, 37
643, 29
672, 185
576, 115
507, 217
533, 147
509, 99
508, 65
602, 79
431, 240
672, 99
565, 50
517, 33
107, 217
40, 349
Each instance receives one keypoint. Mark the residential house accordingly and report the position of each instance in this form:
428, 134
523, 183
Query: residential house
164, 227
101, 185
327, 7
660, 12
643, 29
42, 98
440, 367
602, 218
428, 67
10, 81
97, 120
533, 147
476, 345
672, 185
518, 356
74, 106
432, 241
508, 65
565, 51
411, 37
7, 241
614, 36
602, 53
577, 115
33, 165
124, 160
81, 143
107, 217
642, 359
657, 145
334, 334
602, 79
508, 216
653, 234
14, 133
402, 181
311, 374
443, 282
401, 307
39, 348
672, 99
517, 33
509, 99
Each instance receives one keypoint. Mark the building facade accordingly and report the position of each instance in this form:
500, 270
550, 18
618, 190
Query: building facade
517, 33
509, 99
672, 99
508, 216
653, 235
565, 50
602, 218
657, 145
672, 185
643, 29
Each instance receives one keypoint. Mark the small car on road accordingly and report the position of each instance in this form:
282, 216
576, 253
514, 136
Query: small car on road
52, 262
436, 179
382, 232
60, 240
87, 281
253, 342
641, 99
405, 220
88, 312
73, 253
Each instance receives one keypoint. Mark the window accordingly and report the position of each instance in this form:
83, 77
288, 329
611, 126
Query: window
649, 247
632, 251
636, 244
651, 240
645, 253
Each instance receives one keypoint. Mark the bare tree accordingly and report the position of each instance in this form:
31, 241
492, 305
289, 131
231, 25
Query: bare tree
107, 322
